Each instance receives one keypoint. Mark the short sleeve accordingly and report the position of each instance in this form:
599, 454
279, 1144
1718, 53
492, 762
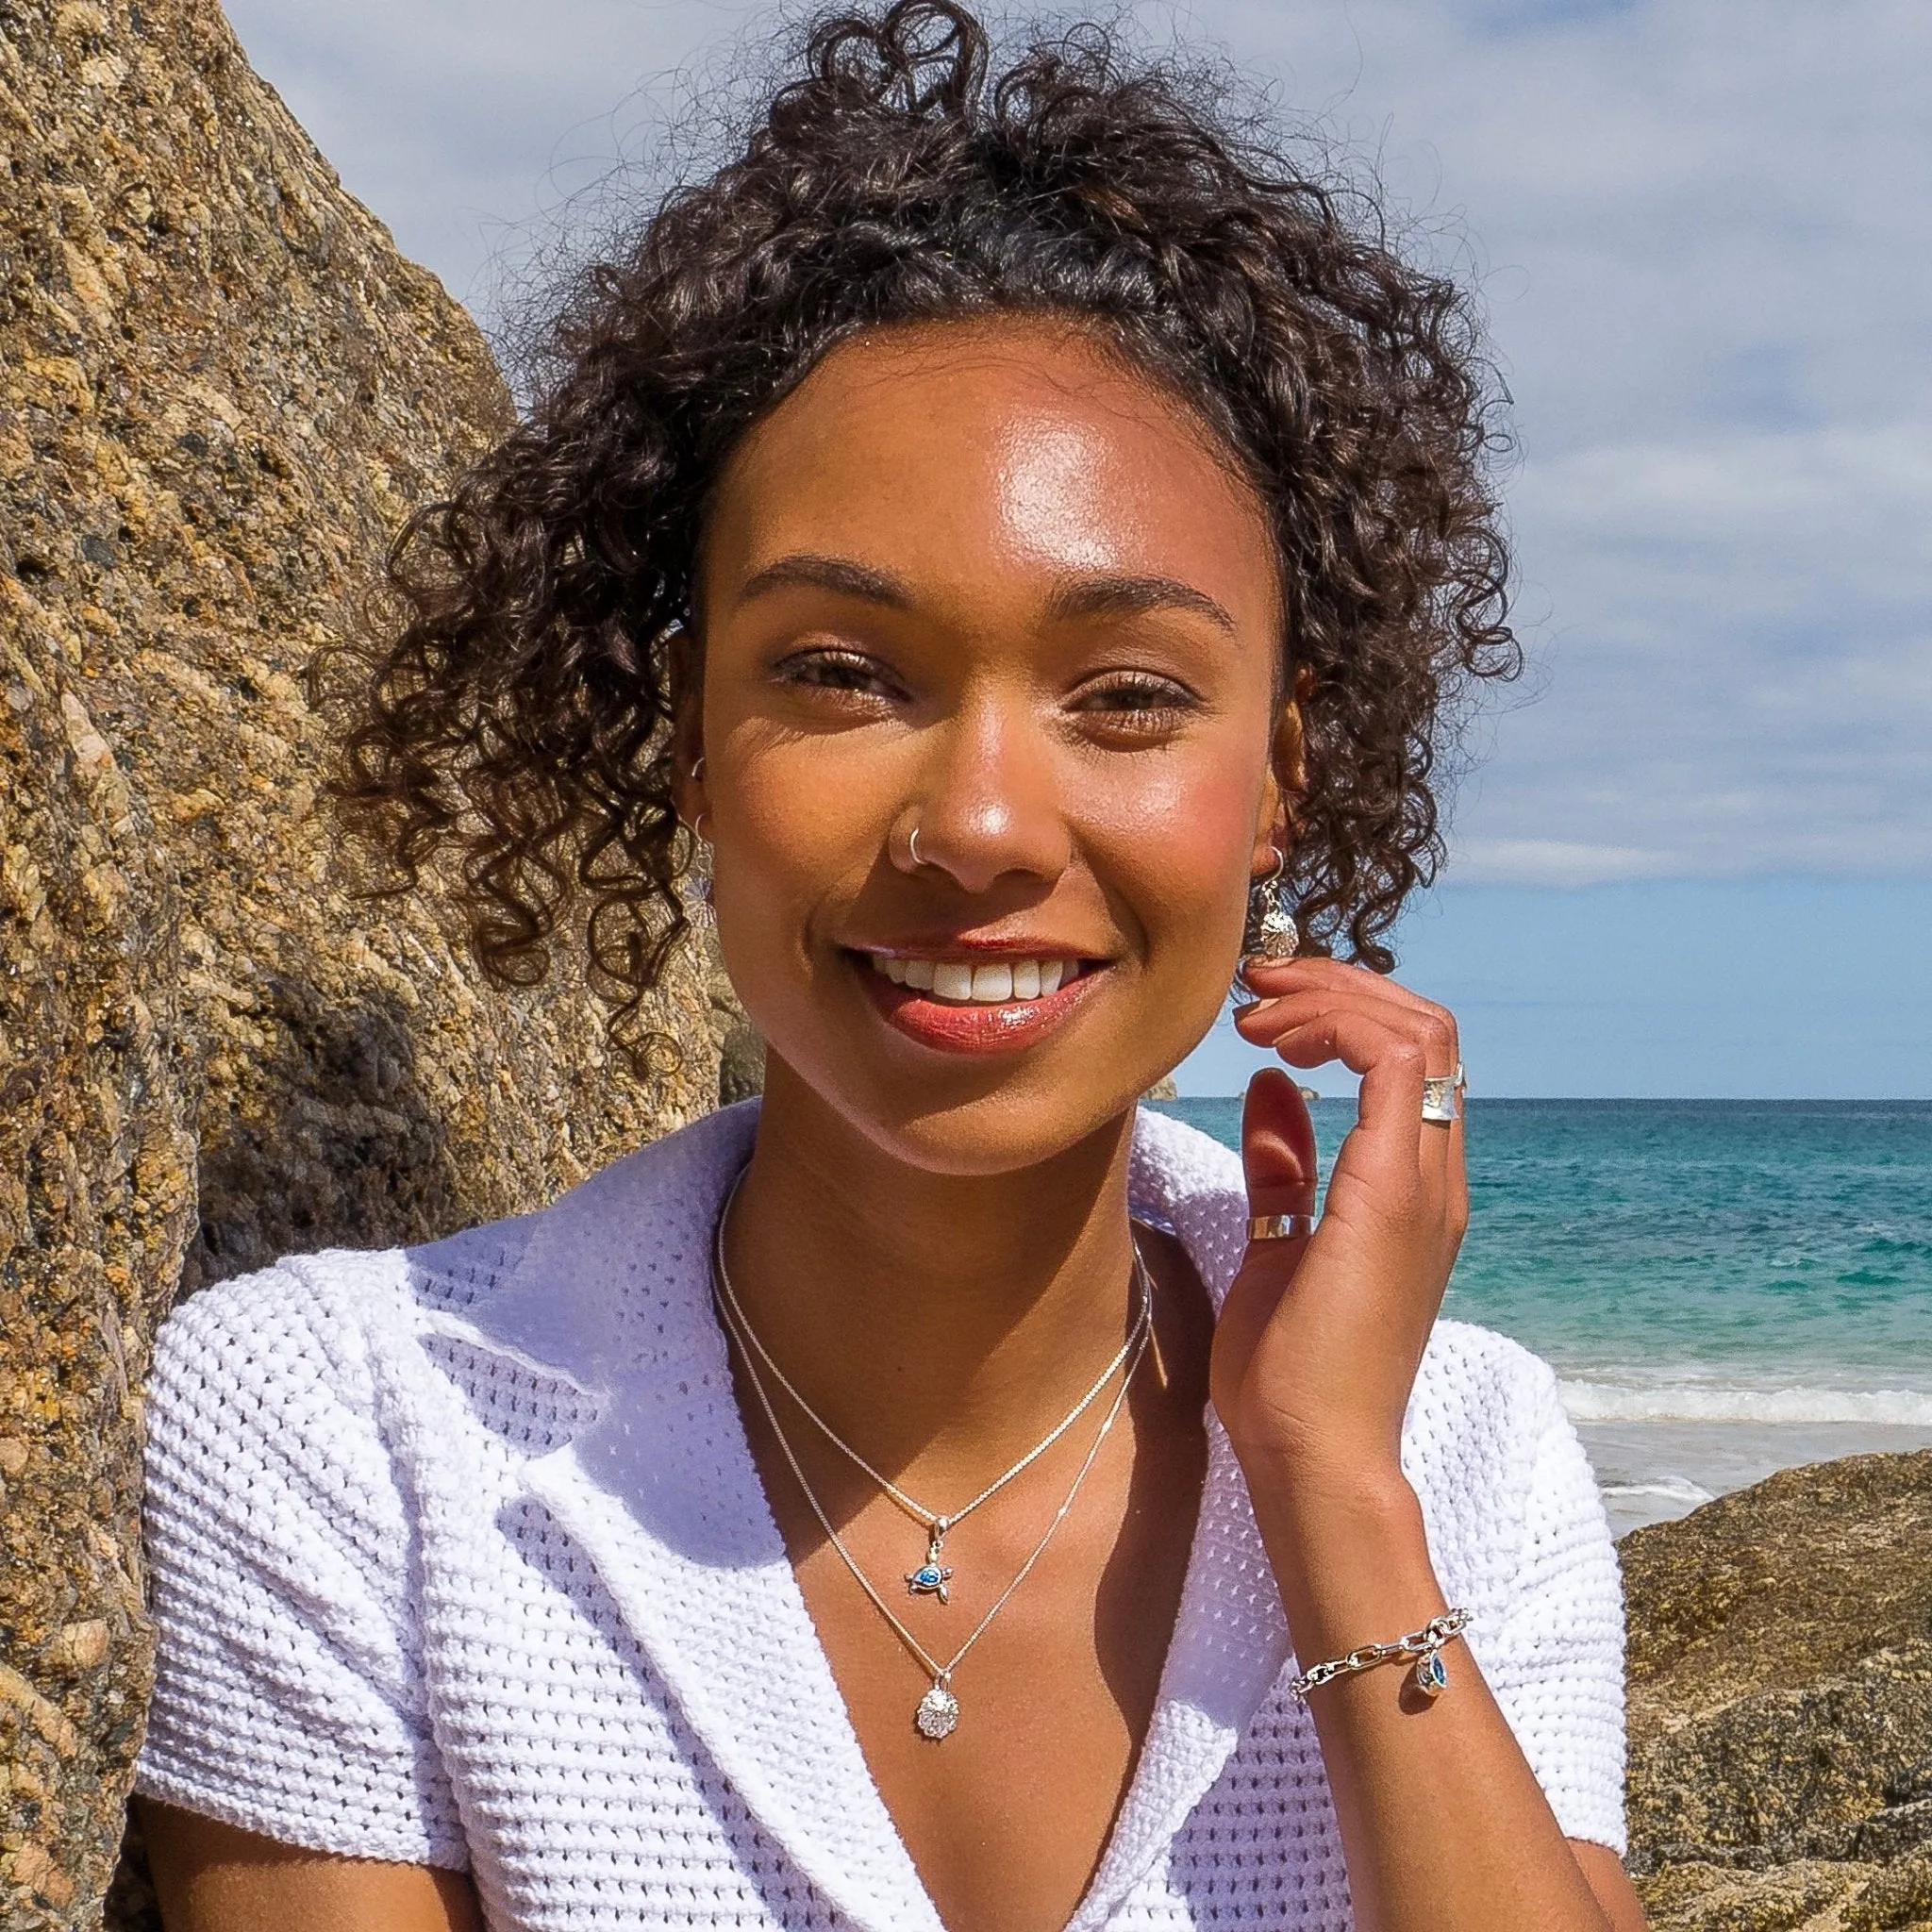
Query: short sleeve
289, 1695
1555, 1657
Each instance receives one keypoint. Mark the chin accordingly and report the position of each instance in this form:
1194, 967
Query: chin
972, 1118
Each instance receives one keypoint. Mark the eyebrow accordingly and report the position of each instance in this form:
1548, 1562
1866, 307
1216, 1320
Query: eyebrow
1108, 595
1101, 594
836, 573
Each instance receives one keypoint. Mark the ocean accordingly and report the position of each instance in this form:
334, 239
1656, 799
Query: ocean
1724, 1288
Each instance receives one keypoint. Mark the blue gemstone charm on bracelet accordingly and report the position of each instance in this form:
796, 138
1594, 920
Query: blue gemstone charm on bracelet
1421, 1649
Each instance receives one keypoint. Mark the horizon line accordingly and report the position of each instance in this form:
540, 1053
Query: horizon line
1645, 1099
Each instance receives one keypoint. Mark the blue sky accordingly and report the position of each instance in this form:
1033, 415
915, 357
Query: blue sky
1696, 856
1755, 988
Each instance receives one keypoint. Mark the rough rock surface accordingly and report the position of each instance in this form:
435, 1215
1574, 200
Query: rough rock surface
221, 391
1781, 1704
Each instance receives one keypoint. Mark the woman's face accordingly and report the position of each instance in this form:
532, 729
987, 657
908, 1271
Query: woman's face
976, 585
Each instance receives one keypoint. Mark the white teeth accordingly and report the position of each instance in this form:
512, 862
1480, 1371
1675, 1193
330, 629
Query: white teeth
952, 981
991, 986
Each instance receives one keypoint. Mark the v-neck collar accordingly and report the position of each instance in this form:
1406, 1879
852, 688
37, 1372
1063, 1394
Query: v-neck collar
663, 1495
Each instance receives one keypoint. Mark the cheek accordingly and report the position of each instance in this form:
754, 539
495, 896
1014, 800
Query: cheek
1177, 850
803, 832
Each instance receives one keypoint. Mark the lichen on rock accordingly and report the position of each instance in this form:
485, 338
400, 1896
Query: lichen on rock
1781, 1704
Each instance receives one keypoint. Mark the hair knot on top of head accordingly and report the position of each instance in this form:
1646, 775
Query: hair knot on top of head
911, 171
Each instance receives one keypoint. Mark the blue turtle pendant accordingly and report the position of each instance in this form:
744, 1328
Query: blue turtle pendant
932, 1576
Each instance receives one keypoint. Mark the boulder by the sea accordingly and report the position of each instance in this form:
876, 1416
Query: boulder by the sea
221, 393
1781, 1704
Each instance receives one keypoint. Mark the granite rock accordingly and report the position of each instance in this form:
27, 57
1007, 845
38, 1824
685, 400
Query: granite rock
96, 1205
1781, 1704
221, 393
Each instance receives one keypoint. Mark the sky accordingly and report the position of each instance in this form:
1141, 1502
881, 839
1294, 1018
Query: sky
1695, 856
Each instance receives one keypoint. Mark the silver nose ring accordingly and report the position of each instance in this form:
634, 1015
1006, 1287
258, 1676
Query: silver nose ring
912, 846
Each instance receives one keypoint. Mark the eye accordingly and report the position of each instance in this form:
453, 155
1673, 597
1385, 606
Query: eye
836, 669
1136, 703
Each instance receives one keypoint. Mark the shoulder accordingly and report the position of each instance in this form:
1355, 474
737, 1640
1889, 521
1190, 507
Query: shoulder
1472, 1378
1494, 1460
1480, 1412
298, 1350
287, 1335
262, 1415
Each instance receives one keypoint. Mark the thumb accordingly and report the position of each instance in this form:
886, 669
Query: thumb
1278, 1147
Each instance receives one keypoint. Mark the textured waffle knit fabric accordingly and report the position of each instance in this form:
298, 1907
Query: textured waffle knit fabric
460, 1557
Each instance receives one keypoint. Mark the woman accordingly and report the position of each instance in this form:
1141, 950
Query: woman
1029, 543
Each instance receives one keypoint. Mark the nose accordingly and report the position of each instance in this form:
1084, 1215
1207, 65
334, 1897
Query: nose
988, 806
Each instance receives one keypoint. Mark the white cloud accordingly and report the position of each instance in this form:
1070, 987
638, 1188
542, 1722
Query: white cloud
1704, 231
1551, 862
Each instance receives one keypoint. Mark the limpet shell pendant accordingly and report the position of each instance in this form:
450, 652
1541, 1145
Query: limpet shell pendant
1276, 935
1271, 934
937, 1713
1432, 1675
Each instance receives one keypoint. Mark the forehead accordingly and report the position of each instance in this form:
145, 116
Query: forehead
1013, 448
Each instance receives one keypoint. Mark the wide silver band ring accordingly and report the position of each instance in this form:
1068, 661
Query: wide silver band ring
1280, 1228
1442, 1097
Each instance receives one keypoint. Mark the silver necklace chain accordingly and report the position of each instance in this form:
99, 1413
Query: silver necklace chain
933, 1521
938, 1711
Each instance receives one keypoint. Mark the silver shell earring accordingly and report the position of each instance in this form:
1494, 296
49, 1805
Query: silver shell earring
701, 912
1271, 932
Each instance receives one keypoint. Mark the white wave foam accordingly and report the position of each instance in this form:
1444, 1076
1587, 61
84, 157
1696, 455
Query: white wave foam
1670, 1489
1706, 1402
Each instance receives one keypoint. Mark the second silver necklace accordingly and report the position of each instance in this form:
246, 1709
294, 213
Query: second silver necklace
938, 1712
932, 1577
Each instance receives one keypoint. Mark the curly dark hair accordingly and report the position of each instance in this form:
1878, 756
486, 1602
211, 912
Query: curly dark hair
521, 710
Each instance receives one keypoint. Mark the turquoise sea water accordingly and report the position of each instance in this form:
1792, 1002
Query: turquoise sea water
1722, 1286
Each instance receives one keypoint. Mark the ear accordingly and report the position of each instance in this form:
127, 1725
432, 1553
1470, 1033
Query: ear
1279, 818
687, 726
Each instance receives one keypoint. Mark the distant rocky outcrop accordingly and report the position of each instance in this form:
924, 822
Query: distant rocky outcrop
1781, 1705
220, 392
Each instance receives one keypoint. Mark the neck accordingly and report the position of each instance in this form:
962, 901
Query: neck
939, 1322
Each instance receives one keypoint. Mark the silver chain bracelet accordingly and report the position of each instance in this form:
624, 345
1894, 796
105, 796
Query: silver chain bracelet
1423, 1648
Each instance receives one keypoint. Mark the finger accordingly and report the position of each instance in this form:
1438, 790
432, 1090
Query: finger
1390, 1058
1430, 1029
1323, 988
1443, 1162
1392, 1145
1278, 1147
1299, 977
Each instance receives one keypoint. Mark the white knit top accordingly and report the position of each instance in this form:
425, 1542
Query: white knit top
460, 1557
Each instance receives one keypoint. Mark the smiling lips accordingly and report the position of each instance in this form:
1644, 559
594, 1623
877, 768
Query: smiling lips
958, 1006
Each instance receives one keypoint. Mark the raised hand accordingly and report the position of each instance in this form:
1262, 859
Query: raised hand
1320, 1337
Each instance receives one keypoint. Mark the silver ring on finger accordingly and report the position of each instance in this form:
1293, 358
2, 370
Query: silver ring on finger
1280, 1228
1442, 1097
